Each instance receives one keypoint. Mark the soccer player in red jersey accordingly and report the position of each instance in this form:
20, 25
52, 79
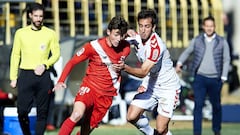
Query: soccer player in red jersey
102, 79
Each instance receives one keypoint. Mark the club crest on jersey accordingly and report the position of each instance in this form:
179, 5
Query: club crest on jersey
42, 46
80, 52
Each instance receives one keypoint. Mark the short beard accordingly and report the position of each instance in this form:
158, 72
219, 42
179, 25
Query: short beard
37, 26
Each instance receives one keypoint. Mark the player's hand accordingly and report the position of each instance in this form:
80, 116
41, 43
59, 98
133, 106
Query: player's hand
39, 70
121, 65
118, 67
141, 89
223, 79
131, 33
13, 83
59, 86
178, 68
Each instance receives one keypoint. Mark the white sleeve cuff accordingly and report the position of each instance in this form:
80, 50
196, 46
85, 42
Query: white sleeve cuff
179, 63
224, 78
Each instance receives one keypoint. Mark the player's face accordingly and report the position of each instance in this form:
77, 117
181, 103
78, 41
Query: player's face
114, 37
209, 27
145, 28
37, 18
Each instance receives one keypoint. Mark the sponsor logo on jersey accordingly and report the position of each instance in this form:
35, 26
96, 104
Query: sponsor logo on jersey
155, 54
42, 47
80, 52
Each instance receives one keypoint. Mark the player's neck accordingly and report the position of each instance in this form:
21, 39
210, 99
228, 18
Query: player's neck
108, 42
36, 28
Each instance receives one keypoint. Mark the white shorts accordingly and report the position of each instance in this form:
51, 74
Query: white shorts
165, 100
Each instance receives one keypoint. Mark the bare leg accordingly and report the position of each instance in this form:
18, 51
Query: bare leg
136, 117
162, 125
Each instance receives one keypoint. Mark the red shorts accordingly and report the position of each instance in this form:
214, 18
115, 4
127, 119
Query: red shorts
96, 106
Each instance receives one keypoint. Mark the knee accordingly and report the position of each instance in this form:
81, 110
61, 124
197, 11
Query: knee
198, 106
42, 114
22, 114
75, 116
131, 118
216, 108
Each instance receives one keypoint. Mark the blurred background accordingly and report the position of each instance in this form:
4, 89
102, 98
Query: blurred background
79, 21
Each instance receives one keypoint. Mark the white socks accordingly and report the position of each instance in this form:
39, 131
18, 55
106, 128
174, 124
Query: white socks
143, 125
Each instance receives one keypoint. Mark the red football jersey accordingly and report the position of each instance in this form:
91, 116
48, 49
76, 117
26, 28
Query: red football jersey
98, 77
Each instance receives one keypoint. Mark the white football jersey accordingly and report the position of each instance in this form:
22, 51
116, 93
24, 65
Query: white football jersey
162, 74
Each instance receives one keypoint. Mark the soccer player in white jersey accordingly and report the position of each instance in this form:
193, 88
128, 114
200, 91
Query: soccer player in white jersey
161, 86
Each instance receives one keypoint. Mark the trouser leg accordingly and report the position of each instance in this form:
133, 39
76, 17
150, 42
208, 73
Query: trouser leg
215, 99
199, 97
43, 96
25, 99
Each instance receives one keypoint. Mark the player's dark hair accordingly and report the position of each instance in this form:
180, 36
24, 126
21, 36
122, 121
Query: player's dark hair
118, 22
33, 6
211, 18
148, 13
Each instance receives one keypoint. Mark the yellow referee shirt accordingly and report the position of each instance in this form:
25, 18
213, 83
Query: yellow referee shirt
32, 48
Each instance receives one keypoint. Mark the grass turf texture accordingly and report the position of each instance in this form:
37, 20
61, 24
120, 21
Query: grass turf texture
176, 127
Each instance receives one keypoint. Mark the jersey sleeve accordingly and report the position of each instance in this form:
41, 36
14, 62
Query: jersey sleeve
153, 52
81, 55
15, 57
55, 51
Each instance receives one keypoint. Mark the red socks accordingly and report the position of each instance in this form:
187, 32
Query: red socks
66, 127
78, 133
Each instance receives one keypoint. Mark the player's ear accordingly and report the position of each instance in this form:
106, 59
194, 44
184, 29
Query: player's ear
153, 29
30, 15
108, 32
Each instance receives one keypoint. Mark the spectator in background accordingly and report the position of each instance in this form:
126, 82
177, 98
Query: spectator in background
102, 80
31, 50
210, 65
160, 86
233, 78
